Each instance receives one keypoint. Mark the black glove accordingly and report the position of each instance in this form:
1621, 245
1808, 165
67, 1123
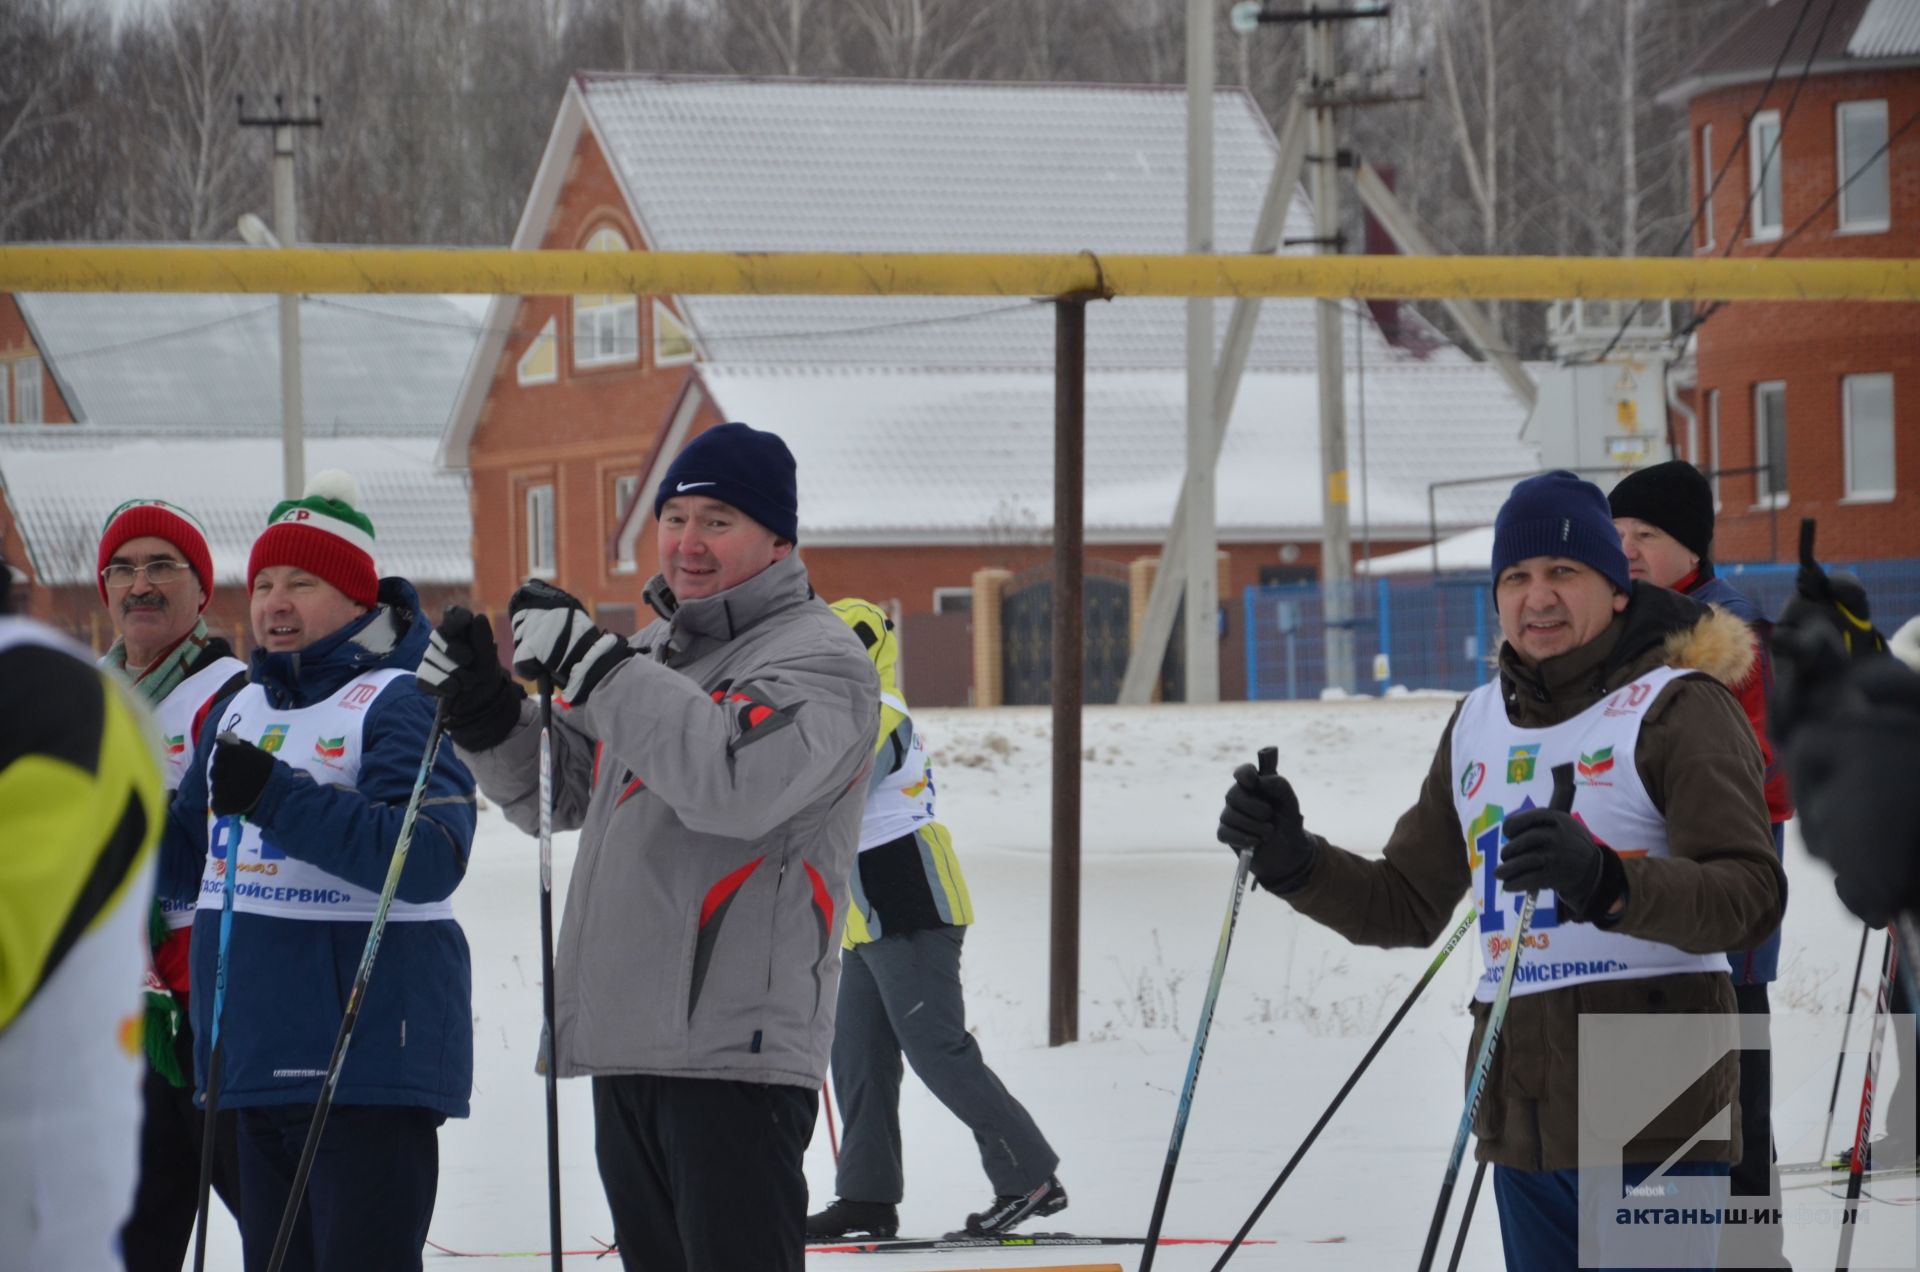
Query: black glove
1838, 599
552, 636
462, 665
1262, 813
1547, 848
236, 774
1851, 756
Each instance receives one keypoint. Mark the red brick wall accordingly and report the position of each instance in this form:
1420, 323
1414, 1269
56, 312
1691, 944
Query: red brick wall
1812, 346
579, 433
16, 342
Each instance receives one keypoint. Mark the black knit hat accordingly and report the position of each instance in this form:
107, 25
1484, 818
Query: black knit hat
1674, 496
746, 467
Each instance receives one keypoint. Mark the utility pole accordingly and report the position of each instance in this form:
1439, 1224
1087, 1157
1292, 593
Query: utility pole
1200, 620
1336, 550
286, 229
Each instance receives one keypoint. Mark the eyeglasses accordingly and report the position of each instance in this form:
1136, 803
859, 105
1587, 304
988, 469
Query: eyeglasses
159, 573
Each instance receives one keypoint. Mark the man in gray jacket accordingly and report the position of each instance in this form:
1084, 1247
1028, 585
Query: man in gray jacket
715, 767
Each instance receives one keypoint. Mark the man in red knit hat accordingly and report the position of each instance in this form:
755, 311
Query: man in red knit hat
155, 577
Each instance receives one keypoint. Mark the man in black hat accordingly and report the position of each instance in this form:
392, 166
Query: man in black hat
1665, 518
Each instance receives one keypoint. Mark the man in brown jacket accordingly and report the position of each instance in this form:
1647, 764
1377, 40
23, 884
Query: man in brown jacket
1665, 863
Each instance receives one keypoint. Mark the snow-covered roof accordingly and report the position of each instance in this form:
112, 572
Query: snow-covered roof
1889, 28
193, 363
904, 457
61, 481
1471, 550
729, 164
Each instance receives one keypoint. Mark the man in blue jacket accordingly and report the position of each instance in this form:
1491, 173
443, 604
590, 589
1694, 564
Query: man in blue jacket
315, 760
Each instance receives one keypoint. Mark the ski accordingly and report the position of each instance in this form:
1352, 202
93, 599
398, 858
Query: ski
1839, 1176
1013, 1241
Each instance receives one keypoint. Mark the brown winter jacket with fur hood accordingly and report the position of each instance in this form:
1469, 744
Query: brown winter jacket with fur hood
1721, 889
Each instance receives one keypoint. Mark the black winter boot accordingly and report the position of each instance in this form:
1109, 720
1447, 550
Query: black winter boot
1010, 1209
875, 1219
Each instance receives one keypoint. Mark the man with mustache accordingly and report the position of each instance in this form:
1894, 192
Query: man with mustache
156, 576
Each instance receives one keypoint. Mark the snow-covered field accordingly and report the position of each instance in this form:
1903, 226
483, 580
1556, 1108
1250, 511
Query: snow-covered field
1298, 1009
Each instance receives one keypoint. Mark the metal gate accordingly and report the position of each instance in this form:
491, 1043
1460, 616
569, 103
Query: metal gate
1026, 617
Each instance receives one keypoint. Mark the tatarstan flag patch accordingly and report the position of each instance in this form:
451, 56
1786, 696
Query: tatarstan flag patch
331, 748
1596, 764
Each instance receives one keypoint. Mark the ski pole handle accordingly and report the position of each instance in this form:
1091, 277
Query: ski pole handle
1806, 544
1562, 800
1269, 761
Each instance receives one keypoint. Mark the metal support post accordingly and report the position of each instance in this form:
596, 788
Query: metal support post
1069, 465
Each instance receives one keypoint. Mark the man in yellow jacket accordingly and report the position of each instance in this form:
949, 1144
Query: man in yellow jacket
80, 812
900, 994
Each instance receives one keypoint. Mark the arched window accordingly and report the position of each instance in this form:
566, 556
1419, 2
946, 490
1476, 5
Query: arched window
606, 327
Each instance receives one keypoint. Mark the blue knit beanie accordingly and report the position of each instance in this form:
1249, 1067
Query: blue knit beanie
742, 466
1557, 514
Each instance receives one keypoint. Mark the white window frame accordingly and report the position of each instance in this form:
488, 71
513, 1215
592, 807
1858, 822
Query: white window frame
1765, 495
661, 311
1844, 167
1760, 171
624, 561
1713, 443
598, 320
1706, 187
6, 393
943, 594
26, 389
542, 523
1874, 494
548, 338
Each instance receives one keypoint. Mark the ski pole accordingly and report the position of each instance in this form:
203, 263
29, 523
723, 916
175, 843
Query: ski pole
1352, 1080
1269, 764
209, 1139
1466, 1216
1846, 1031
1863, 1127
833, 1137
1562, 801
546, 968
296, 1195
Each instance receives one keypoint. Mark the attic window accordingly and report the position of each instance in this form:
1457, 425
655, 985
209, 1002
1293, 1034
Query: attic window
606, 326
540, 364
672, 342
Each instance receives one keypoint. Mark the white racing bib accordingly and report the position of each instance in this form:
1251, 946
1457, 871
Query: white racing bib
1502, 769
323, 741
175, 715
906, 801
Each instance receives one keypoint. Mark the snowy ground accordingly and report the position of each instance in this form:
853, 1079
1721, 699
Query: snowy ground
1298, 1009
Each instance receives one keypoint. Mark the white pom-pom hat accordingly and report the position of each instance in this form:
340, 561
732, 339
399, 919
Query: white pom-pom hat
324, 533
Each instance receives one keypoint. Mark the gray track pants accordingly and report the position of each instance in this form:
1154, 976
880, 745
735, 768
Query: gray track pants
898, 994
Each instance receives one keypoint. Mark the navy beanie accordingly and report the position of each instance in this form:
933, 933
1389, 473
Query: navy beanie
1557, 514
742, 466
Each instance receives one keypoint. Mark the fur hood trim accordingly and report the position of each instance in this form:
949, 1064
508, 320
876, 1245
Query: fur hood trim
1721, 645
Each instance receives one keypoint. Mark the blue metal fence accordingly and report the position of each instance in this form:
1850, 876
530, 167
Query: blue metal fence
1438, 631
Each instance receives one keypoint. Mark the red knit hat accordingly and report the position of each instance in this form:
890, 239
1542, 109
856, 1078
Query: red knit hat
323, 533
138, 517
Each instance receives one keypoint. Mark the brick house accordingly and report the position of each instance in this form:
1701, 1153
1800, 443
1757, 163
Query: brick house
1823, 398
922, 425
178, 397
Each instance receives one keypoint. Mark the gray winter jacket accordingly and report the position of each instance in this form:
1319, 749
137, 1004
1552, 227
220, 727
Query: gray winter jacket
717, 779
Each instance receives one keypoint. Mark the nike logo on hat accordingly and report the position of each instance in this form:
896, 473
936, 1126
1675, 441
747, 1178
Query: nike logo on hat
694, 485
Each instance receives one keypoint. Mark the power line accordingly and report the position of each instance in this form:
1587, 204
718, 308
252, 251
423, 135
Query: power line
1746, 132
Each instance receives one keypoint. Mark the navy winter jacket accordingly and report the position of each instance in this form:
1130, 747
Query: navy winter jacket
288, 979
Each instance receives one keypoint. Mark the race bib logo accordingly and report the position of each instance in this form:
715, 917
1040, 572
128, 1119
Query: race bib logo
1594, 769
1470, 779
176, 744
359, 696
274, 738
1629, 701
1521, 761
327, 750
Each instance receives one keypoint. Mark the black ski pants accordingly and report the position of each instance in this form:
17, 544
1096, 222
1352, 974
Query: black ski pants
369, 1197
702, 1174
159, 1231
